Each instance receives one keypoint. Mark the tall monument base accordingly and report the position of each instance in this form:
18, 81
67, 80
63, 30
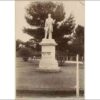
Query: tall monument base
48, 62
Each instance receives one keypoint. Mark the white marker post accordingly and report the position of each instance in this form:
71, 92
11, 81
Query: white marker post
77, 76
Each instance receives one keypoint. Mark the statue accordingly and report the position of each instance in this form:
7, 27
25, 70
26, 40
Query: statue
48, 62
49, 27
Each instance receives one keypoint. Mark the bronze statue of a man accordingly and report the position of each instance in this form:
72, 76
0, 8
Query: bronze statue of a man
49, 27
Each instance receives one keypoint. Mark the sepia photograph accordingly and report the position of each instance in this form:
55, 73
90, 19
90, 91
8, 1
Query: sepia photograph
50, 49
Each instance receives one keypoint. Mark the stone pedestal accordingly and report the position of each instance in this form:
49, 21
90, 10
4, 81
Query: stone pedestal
48, 61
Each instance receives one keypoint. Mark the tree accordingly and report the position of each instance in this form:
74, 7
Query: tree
25, 53
33, 44
77, 46
36, 14
18, 42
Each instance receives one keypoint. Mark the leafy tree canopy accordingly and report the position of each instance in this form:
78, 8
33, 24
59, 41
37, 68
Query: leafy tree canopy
77, 46
36, 14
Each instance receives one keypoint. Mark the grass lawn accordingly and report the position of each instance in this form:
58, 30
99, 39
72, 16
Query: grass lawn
28, 79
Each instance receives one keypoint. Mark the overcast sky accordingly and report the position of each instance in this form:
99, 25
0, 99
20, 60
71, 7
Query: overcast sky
77, 8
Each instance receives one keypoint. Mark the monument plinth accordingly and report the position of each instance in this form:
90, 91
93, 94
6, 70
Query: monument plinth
48, 60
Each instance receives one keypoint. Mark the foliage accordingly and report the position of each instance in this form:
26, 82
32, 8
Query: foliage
25, 52
77, 46
36, 14
18, 42
33, 44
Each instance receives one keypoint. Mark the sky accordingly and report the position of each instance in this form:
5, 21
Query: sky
77, 8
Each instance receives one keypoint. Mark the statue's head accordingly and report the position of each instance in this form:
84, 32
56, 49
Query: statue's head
49, 15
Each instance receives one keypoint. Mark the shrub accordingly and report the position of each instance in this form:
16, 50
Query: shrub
25, 53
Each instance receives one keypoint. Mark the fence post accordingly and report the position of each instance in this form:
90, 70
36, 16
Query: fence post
77, 76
